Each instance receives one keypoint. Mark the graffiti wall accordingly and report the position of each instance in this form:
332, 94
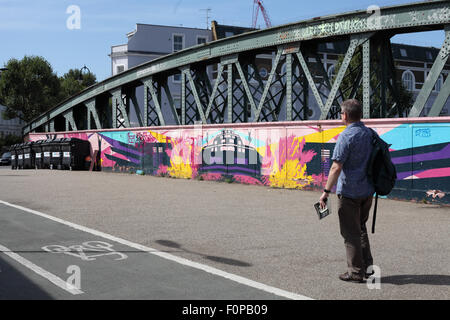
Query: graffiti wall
283, 155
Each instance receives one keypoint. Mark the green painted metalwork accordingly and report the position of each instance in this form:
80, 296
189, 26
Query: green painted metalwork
70, 121
246, 96
433, 75
199, 105
92, 114
289, 87
136, 108
119, 110
230, 92
244, 82
310, 79
183, 98
155, 98
366, 80
440, 100
354, 43
171, 103
214, 91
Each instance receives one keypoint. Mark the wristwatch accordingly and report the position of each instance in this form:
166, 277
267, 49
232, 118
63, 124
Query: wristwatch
326, 191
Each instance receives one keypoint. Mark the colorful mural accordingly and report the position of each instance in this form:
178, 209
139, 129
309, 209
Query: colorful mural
291, 156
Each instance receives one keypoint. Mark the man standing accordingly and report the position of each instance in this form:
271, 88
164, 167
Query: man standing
350, 159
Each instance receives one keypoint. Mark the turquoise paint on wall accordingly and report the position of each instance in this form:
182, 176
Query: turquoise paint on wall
407, 136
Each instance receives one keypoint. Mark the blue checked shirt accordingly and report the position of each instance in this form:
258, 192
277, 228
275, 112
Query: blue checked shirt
353, 148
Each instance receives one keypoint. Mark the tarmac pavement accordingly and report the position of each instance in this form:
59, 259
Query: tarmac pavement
269, 236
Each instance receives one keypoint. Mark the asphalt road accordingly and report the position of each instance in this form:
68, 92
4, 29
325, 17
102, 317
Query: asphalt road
232, 241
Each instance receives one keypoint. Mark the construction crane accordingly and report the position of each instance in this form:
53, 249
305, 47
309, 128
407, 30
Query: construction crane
258, 5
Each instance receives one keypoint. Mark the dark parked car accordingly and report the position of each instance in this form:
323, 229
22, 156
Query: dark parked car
5, 160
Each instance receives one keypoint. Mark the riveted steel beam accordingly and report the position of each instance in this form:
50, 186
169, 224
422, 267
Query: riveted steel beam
310, 79
149, 88
92, 114
137, 110
119, 110
228, 61
354, 43
196, 97
183, 98
214, 91
244, 82
433, 75
268, 84
171, 102
366, 80
230, 92
441, 99
70, 121
288, 87
52, 125
193, 90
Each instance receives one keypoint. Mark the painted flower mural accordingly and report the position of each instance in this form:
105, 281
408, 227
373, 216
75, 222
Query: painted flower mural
289, 163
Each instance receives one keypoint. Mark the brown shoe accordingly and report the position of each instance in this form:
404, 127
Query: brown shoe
351, 277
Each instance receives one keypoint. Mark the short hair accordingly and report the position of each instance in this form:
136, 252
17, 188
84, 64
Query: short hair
353, 109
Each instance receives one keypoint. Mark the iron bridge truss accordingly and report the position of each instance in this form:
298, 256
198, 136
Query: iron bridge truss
238, 93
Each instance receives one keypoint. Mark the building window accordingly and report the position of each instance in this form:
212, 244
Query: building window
330, 45
229, 34
178, 42
408, 80
263, 72
429, 55
331, 72
201, 40
177, 78
403, 52
120, 68
439, 82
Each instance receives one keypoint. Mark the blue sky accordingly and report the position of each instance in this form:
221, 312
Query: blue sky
38, 27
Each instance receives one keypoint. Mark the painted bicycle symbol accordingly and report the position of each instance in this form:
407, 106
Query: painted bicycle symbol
80, 251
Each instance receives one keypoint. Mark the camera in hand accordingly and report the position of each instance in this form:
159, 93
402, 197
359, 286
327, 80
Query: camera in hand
322, 212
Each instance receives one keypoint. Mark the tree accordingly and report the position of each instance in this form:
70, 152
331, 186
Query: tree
7, 141
75, 81
28, 88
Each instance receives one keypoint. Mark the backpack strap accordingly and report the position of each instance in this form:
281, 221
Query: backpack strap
374, 212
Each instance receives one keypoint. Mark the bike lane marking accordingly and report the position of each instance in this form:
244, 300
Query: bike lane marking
40, 271
167, 256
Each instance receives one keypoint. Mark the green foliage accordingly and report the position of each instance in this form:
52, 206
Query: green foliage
228, 180
28, 88
7, 141
75, 81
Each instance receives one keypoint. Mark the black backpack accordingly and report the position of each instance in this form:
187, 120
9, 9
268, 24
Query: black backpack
380, 171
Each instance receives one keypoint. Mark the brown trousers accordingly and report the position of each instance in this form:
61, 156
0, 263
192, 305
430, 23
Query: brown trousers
353, 215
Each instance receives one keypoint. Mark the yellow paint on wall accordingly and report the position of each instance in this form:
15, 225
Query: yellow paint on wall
158, 136
291, 176
324, 136
179, 169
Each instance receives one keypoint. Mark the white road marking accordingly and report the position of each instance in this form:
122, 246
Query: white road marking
92, 246
186, 262
42, 272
